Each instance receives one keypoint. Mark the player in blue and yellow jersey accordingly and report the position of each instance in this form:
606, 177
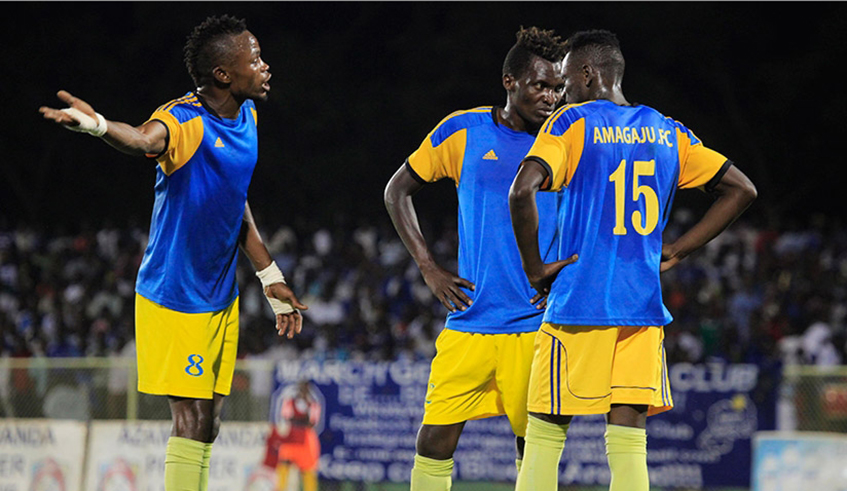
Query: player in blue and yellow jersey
600, 349
483, 358
205, 144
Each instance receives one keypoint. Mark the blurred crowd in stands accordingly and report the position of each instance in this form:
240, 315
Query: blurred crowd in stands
766, 293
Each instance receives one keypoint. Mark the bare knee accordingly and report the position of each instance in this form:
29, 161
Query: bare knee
438, 441
193, 419
631, 415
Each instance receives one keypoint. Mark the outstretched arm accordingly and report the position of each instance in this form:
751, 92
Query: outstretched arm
734, 193
398, 201
149, 138
524, 212
284, 303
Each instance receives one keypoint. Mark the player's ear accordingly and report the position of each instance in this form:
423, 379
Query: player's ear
508, 82
588, 74
221, 75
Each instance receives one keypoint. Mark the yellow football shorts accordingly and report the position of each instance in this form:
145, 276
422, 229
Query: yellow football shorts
185, 355
475, 376
586, 369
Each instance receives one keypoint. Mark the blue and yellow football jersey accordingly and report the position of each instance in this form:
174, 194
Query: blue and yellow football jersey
201, 191
621, 166
482, 157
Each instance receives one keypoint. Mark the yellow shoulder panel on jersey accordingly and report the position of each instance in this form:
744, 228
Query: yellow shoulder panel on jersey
444, 158
697, 163
575, 136
561, 153
433, 164
184, 140
184, 136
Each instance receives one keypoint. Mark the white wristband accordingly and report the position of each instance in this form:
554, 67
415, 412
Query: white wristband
87, 124
269, 276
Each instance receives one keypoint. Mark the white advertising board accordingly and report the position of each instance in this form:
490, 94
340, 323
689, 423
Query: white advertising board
41, 454
130, 456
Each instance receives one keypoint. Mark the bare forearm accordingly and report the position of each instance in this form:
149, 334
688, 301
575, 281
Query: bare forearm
251, 242
148, 138
524, 212
405, 220
398, 202
734, 194
718, 217
133, 140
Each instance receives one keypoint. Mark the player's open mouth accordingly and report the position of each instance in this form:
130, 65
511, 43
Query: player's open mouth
266, 86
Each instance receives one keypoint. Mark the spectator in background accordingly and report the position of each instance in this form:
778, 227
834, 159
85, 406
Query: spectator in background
294, 437
818, 347
35, 310
741, 305
698, 292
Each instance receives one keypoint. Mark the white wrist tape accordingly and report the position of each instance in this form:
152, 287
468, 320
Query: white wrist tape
87, 124
269, 276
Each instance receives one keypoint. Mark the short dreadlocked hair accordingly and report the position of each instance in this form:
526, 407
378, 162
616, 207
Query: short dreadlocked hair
600, 48
531, 42
210, 44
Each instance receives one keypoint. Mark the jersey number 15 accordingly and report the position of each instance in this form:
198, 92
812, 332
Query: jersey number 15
642, 224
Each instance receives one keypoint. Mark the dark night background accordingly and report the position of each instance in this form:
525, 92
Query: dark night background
356, 87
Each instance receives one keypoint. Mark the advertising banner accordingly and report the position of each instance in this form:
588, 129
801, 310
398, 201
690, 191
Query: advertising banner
130, 456
372, 411
40, 454
785, 461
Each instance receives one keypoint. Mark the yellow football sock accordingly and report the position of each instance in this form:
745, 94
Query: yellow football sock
432, 475
626, 449
204, 467
310, 480
183, 464
282, 476
540, 467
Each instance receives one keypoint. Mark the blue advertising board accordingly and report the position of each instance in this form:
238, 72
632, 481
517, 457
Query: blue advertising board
373, 410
